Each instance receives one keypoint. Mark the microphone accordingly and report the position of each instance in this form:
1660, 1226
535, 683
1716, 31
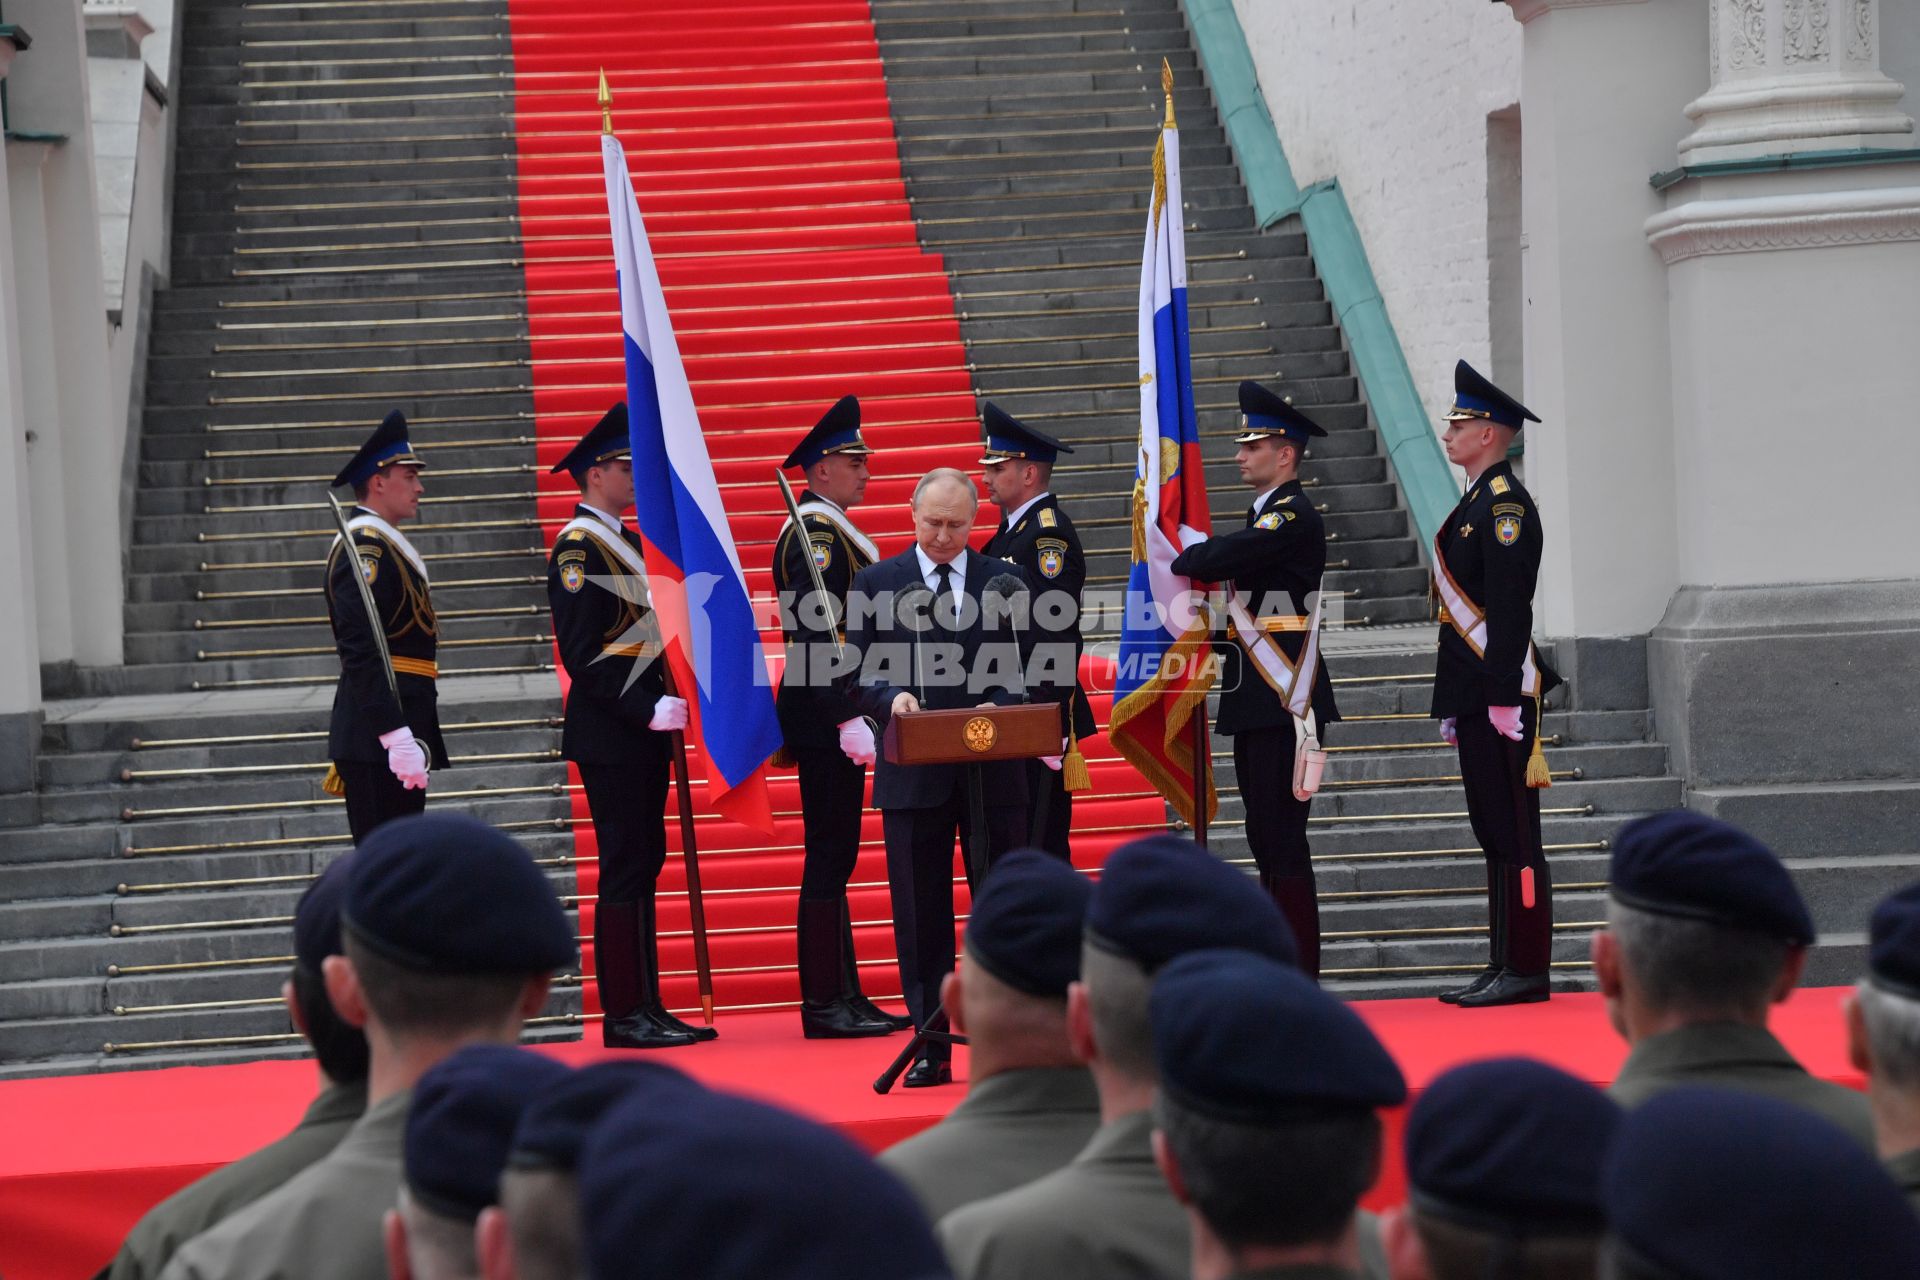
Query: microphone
1011, 590
912, 606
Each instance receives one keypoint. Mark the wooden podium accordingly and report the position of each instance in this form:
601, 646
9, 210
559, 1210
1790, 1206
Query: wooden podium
974, 735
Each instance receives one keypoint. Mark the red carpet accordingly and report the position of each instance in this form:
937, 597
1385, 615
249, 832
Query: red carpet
770, 182
84, 1156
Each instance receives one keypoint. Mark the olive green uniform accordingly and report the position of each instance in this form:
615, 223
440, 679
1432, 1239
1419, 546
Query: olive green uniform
1014, 1126
1733, 1055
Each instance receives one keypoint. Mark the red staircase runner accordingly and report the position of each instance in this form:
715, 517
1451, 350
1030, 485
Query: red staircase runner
769, 177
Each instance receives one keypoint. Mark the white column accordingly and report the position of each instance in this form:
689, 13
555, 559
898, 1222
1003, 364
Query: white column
19, 643
1794, 75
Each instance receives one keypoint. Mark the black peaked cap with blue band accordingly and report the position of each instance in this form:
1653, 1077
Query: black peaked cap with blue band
1162, 896
1714, 1184
1475, 397
838, 431
607, 441
1264, 414
555, 1126
1010, 440
316, 920
1893, 944
1511, 1146
1688, 865
1027, 923
446, 893
461, 1121
386, 447
1245, 1039
717, 1187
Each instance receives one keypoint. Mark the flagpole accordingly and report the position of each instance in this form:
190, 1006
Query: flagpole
682, 781
1202, 759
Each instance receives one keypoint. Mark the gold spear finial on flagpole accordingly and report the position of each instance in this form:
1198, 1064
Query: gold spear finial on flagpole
1166, 87
606, 104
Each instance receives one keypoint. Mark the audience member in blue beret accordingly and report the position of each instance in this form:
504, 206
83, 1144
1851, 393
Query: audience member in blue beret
451, 936
340, 1051
1503, 1171
1883, 1032
533, 1233
1109, 1213
1713, 1184
716, 1187
1705, 934
460, 1127
1268, 1125
1030, 1105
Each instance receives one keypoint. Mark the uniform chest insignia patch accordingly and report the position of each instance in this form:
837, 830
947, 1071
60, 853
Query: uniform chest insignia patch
1048, 519
1051, 562
1499, 484
1271, 520
573, 577
1507, 530
822, 545
369, 568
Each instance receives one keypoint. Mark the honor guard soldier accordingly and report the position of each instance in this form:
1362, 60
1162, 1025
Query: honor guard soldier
618, 720
385, 733
830, 741
1488, 682
1035, 534
1274, 688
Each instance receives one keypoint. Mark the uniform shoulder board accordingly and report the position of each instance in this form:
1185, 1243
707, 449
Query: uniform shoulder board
575, 535
1499, 484
1285, 500
1048, 518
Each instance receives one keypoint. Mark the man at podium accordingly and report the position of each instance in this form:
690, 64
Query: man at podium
936, 628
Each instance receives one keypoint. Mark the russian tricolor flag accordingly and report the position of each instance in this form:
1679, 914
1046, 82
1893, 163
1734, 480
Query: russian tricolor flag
699, 592
1164, 668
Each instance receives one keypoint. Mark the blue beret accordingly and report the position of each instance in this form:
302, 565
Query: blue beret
1161, 896
1511, 1146
1893, 943
1263, 414
386, 447
1009, 438
316, 921
555, 1126
1027, 922
1710, 1184
1246, 1039
1685, 864
1475, 397
717, 1187
838, 431
460, 1124
440, 891
606, 441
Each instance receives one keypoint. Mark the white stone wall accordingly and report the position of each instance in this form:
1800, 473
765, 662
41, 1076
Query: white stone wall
1392, 97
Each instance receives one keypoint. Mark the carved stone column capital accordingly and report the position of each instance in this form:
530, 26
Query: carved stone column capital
1527, 10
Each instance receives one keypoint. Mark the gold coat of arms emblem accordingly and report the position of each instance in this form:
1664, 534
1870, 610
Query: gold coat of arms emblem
978, 734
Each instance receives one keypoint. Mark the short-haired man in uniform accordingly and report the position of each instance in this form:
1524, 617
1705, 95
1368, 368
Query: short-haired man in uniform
382, 745
1487, 685
1036, 534
618, 720
830, 741
1273, 682
1883, 1034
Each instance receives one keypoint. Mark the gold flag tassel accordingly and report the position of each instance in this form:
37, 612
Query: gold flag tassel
1538, 776
333, 784
1074, 775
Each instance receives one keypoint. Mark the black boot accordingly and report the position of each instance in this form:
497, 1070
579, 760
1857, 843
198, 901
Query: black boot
1480, 983
825, 1013
1295, 897
1509, 988
850, 984
649, 940
1496, 940
616, 961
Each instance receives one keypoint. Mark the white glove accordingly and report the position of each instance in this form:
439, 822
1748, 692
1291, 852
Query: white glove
669, 714
406, 758
1448, 733
1506, 722
1052, 762
856, 740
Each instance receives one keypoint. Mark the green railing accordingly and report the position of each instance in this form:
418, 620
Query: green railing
1338, 255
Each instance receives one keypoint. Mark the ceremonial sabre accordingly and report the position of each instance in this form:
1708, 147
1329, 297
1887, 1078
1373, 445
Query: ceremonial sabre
813, 566
366, 596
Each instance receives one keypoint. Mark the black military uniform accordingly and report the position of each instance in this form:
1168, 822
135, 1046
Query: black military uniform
610, 646
1040, 539
364, 705
1275, 565
1489, 549
812, 705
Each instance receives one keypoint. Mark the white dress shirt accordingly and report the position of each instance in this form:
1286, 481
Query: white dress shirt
957, 584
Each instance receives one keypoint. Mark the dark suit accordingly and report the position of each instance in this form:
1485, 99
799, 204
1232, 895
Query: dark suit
1276, 562
364, 707
1043, 543
924, 807
1491, 544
